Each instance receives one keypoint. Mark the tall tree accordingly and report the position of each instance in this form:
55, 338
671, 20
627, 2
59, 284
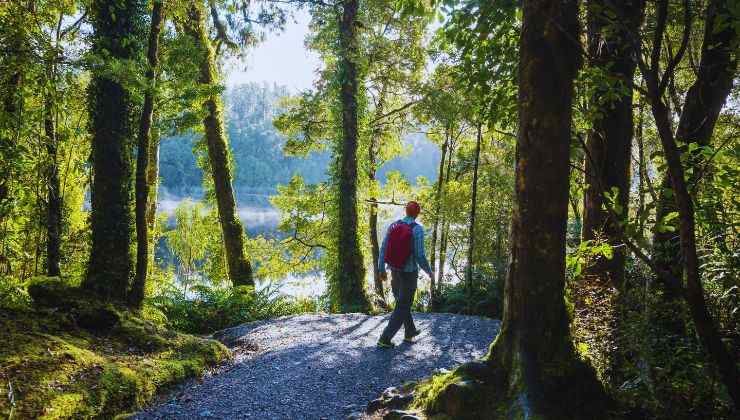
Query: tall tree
444, 221
473, 207
118, 28
239, 267
532, 342
143, 151
373, 150
152, 176
54, 197
610, 139
708, 106
14, 38
437, 213
703, 102
350, 271
532, 367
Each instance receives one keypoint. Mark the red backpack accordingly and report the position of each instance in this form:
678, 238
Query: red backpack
400, 243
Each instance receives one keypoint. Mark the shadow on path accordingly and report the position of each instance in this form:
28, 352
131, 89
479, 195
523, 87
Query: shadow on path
325, 366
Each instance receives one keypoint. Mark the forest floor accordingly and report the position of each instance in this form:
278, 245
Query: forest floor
322, 366
58, 364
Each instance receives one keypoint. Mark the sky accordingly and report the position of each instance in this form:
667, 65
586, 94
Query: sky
282, 58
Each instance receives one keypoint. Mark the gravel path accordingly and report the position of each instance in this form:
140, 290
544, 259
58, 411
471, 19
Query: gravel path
323, 366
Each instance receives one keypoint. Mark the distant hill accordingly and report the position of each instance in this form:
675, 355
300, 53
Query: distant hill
257, 152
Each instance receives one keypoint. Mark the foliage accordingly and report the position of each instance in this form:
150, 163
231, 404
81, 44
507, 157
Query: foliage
204, 309
60, 370
484, 299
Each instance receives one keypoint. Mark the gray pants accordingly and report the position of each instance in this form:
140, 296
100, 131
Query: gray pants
403, 285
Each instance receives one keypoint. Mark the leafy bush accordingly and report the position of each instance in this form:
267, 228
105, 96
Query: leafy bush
13, 293
484, 298
203, 309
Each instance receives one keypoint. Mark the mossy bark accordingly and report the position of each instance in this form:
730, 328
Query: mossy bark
608, 149
532, 369
240, 270
350, 271
54, 198
12, 66
373, 216
118, 31
136, 296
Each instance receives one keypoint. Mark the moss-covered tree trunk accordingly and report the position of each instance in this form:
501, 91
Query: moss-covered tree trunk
118, 32
608, 153
534, 347
54, 198
240, 270
373, 164
152, 178
350, 275
152, 174
702, 105
532, 370
12, 67
136, 296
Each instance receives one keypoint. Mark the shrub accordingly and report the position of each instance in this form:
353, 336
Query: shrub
484, 298
203, 309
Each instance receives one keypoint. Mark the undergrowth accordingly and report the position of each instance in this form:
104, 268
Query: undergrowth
204, 309
87, 360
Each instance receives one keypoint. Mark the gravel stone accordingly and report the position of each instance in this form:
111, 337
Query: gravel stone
321, 366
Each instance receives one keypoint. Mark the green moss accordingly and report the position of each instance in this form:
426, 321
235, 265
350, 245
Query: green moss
428, 390
59, 369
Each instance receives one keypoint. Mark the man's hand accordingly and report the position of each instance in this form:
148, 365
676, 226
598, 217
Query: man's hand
384, 276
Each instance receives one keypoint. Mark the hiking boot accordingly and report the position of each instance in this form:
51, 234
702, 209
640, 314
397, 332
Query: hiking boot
410, 337
385, 344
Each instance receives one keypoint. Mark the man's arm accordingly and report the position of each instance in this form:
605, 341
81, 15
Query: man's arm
381, 255
419, 253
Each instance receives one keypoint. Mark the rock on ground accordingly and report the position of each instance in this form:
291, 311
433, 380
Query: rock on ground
322, 366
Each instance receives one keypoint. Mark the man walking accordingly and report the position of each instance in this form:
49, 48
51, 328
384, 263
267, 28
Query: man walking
403, 251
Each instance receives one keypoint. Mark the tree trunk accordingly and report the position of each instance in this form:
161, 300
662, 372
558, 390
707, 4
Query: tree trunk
117, 32
445, 225
12, 105
240, 270
152, 176
642, 213
703, 103
533, 370
54, 206
473, 201
136, 296
373, 216
705, 326
609, 142
350, 275
437, 211
704, 98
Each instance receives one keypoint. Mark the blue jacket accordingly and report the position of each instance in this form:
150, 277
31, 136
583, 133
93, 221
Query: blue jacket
417, 259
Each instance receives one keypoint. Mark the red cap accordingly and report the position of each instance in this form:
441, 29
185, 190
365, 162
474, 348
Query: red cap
413, 209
